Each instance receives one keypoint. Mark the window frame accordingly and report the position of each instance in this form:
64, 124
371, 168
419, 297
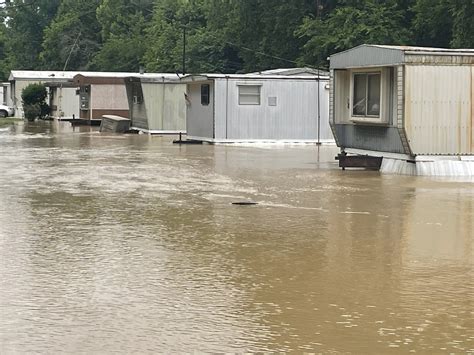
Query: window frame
383, 117
366, 75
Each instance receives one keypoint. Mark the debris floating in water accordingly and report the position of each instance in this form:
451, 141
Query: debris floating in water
245, 203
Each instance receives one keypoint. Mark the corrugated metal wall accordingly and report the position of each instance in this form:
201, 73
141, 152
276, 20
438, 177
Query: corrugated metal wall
153, 98
163, 107
472, 109
200, 119
438, 109
67, 102
174, 110
294, 117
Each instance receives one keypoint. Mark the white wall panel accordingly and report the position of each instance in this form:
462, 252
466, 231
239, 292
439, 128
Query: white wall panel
438, 104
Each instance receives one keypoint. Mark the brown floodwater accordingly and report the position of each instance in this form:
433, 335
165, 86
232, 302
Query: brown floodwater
130, 244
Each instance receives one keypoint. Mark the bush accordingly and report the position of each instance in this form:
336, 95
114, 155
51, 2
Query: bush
34, 101
32, 111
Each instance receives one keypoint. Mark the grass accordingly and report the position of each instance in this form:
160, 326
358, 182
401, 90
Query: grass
7, 121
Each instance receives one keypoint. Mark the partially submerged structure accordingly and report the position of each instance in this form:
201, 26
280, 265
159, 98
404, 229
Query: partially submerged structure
411, 106
282, 105
157, 103
62, 94
101, 93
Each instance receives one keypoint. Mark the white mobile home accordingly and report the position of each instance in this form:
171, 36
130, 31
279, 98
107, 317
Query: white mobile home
258, 107
411, 106
157, 103
62, 95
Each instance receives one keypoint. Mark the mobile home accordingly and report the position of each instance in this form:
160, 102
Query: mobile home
157, 103
258, 107
410, 106
101, 93
62, 96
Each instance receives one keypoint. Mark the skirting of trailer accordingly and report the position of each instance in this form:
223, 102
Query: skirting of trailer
422, 165
263, 141
427, 166
158, 131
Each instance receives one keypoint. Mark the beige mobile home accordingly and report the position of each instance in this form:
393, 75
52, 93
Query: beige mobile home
62, 96
272, 106
101, 94
410, 106
157, 103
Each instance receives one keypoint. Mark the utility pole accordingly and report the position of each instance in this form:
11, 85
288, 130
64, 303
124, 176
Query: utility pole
184, 50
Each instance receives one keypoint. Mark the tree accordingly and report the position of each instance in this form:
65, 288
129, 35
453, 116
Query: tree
73, 37
34, 101
123, 25
372, 22
463, 23
26, 21
435, 30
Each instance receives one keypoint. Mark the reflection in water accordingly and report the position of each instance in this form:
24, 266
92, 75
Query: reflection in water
131, 244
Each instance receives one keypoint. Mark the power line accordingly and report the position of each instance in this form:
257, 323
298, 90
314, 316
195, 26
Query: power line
187, 26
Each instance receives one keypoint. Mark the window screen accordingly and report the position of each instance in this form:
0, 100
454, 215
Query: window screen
249, 94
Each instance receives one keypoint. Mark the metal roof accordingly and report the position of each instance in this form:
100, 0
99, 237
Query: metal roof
40, 75
380, 55
69, 75
293, 71
154, 78
204, 77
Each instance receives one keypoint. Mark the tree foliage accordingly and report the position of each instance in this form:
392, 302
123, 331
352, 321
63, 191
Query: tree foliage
221, 35
34, 101
73, 37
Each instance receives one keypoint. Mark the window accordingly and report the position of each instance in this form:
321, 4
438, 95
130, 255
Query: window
249, 94
205, 97
366, 95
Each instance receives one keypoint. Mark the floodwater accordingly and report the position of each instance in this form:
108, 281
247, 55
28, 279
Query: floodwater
130, 244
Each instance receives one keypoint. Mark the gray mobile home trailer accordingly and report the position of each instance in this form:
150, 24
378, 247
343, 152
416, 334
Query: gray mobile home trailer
258, 107
157, 103
411, 106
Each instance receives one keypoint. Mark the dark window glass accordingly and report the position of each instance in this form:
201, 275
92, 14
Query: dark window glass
205, 89
360, 91
366, 95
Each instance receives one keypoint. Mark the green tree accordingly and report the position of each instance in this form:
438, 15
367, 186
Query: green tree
123, 25
355, 23
26, 21
34, 101
267, 32
463, 23
435, 29
73, 37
